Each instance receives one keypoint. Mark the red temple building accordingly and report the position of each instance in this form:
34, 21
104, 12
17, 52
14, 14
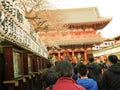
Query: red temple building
23, 54
77, 41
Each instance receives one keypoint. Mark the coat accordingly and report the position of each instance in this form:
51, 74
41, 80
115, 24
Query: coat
111, 78
66, 83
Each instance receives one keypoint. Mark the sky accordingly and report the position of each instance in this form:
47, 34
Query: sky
107, 8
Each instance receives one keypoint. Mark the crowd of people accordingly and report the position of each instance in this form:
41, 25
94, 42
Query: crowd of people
65, 75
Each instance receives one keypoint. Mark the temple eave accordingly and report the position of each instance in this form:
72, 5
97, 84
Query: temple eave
79, 42
97, 25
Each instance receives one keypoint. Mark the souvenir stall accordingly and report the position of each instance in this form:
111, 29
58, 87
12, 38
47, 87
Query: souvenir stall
22, 52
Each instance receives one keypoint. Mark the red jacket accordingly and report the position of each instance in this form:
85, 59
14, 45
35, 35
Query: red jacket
65, 83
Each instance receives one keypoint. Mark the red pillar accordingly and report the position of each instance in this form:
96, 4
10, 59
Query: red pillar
73, 55
59, 55
85, 54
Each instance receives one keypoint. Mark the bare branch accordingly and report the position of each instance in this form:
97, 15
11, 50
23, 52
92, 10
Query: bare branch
35, 6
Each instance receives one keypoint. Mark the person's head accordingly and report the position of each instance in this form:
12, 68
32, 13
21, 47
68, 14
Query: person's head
64, 68
56, 62
49, 64
91, 59
112, 59
82, 70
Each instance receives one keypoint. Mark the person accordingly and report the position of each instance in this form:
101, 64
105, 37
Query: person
48, 76
64, 70
75, 74
83, 80
111, 77
95, 71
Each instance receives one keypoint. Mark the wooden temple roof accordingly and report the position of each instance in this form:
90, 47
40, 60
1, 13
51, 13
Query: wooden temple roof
82, 24
84, 18
80, 41
78, 15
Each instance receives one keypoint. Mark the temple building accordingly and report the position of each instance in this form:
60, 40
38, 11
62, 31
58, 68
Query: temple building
81, 34
112, 48
25, 53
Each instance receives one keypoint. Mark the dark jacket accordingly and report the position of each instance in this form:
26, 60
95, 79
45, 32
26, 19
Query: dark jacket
94, 71
111, 78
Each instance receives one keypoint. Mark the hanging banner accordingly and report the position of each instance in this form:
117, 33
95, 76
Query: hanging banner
12, 28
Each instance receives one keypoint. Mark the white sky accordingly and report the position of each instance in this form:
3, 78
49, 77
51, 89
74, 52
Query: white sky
107, 8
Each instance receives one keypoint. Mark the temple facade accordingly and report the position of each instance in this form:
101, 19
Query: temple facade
81, 34
23, 52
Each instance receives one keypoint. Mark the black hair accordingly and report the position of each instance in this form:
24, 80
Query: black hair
82, 69
113, 58
64, 68
49, 64
91, 59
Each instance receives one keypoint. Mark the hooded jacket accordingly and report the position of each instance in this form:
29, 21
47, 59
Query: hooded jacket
88, 83
111, 78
